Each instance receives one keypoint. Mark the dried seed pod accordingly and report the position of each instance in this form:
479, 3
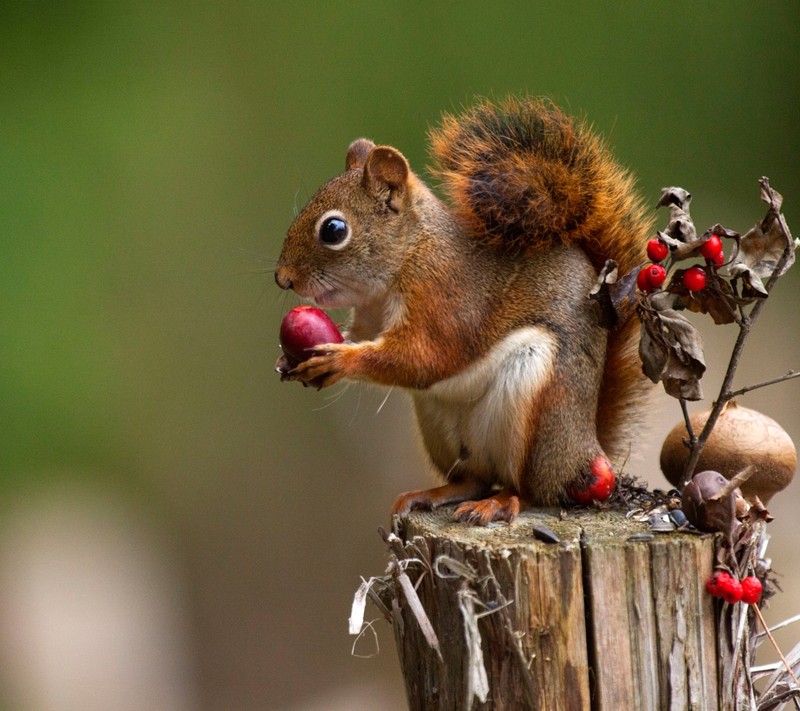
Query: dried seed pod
708, 506
740, 437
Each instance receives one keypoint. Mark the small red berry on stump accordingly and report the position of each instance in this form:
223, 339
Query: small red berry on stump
712, 584
600, 484
723, 584
751, 590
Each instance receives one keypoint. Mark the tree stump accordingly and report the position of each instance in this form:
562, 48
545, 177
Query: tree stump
609, 617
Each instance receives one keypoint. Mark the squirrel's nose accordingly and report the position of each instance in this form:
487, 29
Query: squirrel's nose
282, 279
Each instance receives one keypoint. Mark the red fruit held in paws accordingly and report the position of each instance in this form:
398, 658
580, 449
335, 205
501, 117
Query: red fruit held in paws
304, 327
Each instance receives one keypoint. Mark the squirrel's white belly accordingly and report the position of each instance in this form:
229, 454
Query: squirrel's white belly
476, 421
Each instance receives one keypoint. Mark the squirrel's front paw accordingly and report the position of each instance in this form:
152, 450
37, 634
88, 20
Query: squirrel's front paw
322, 369
283, 366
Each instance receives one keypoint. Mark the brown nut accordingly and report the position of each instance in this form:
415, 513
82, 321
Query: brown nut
741, 437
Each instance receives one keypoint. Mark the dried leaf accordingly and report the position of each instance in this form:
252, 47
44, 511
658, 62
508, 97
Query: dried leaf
759, 512
717, 299
671, 348
653, 353
721, 231
763, 247
358, 607
770, 196
677, 197
616, 298
477, 679
680, 235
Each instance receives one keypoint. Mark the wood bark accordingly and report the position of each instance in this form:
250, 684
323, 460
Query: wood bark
609, 617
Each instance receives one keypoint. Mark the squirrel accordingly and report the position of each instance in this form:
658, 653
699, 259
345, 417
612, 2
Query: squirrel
480, 309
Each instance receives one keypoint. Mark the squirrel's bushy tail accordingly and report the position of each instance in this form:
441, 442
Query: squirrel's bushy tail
521, 175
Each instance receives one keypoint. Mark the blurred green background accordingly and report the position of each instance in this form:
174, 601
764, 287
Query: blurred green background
177, 529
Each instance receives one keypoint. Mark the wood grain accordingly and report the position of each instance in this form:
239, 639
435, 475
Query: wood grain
595, 621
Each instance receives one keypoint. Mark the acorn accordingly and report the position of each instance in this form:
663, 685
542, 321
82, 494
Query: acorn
740, 437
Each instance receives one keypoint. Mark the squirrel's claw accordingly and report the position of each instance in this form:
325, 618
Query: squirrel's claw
503, 506
285, 368
322, 369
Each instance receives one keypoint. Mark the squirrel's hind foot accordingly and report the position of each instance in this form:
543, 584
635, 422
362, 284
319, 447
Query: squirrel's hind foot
503, 506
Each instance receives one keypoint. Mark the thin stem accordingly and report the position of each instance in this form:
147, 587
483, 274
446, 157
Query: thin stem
689, 429
775, 644
716, 410
785, 623
788, 376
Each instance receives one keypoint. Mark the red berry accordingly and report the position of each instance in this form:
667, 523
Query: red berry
719, 260
694, 279
599, 487
751, 590
304, 327
712, 584
732, 591
657, 250
711, 248
723, 584
656, 274
643, 281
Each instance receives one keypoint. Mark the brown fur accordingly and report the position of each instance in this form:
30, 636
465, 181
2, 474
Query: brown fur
522, 176
438, 293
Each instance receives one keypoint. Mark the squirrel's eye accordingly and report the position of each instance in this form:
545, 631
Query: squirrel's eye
334, 232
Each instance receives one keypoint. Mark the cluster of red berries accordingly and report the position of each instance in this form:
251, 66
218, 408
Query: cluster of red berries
694, 279
653, 275
723, 584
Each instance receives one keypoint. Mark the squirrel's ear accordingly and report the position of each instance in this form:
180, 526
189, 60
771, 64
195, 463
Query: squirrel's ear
386, 169
357, 153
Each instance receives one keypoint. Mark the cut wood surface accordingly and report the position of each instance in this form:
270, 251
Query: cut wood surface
609, 617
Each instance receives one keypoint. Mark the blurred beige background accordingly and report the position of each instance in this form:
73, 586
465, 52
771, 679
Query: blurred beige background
178, 530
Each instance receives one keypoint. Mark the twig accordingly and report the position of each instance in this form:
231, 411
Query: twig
745, 326
775, 644
689, 429
788, 376
785, 623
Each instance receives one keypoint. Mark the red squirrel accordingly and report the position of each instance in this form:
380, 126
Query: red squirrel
480, 309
